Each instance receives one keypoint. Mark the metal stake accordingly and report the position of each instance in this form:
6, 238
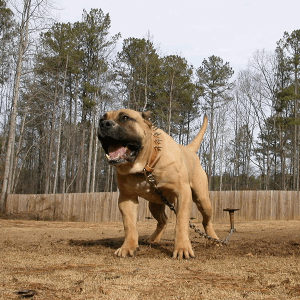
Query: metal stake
231, 217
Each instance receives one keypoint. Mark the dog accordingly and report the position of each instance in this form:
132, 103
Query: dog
135, 147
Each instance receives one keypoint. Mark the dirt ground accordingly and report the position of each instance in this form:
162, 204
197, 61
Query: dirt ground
56, 260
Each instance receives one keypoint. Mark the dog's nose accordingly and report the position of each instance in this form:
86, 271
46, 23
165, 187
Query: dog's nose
106, 124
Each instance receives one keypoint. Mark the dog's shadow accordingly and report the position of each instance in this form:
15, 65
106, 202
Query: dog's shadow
115, 243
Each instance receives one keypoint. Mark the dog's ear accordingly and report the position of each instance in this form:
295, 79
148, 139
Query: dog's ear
146, 115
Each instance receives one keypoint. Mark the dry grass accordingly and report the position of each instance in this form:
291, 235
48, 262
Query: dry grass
75, 261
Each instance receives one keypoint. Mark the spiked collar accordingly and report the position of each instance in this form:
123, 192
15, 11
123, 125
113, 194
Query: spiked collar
155, 151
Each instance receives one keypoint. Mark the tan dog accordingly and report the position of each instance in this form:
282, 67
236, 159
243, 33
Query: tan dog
133, 145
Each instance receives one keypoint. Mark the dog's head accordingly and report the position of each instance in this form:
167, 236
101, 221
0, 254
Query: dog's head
123, 134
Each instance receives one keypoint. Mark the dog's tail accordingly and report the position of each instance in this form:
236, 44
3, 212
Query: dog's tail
195, 144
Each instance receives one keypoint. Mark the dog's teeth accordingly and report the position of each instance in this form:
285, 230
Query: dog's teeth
107, 156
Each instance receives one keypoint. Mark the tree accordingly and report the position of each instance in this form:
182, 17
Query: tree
242, 145
96, 46
251, 110
73, 86
176, 93
56, 46
213, 79
7, 33
291, 44
23, 32
137, 68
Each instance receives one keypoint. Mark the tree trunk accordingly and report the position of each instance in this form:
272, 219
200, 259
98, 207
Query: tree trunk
75, 155
59, 128
13, 182
170, 104
282, 158
24, 28
146, 86
80, 162
94, 166
211, 144
89, 160
296, 153
48, 166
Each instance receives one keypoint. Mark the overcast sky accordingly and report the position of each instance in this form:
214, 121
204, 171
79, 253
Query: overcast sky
197, 29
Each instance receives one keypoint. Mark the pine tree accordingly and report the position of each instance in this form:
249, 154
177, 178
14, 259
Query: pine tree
290, 44
176, 100
213, 80
137, 69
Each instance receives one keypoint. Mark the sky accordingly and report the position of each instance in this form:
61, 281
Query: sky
197, 29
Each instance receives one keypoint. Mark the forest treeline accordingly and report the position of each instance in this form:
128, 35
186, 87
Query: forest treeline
58, 78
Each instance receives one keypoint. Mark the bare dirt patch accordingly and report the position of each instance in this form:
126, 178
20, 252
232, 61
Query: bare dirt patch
56, 260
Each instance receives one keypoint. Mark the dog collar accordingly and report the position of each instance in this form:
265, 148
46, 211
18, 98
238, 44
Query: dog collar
155, 151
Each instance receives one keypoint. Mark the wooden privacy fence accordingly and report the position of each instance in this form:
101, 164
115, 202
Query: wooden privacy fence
103, 207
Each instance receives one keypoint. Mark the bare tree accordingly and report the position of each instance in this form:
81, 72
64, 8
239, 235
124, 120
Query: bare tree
33, 10
23, 42
60, 127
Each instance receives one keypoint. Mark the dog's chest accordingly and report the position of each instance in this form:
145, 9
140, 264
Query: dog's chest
137, 184
140, 184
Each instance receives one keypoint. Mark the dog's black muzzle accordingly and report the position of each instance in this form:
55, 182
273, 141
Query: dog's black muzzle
105, 128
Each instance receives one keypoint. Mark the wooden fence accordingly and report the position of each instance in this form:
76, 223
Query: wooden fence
103, 207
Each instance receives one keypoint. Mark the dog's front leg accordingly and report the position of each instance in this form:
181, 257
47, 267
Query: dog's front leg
183, 246
129, 211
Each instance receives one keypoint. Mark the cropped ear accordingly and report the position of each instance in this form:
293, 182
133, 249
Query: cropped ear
146, 115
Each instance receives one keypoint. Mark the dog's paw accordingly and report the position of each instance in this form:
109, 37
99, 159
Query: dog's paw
184, 252
152, 240
216, 244
126, 251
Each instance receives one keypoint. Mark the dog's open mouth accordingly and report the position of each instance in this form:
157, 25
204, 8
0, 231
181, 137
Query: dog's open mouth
118, 154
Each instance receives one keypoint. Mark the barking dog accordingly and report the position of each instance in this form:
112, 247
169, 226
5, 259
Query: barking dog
133, 146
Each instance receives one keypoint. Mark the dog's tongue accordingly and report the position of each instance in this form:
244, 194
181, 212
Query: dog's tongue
116, 150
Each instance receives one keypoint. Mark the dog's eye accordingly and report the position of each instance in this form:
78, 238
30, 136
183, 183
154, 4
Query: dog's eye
124, 119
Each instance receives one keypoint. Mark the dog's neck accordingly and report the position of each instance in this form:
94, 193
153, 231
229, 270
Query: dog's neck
155, 151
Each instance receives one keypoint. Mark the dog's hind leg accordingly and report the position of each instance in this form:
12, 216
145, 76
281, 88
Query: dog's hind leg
158, 212
201, 198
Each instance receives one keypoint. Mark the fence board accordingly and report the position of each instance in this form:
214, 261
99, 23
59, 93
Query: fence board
103, 207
